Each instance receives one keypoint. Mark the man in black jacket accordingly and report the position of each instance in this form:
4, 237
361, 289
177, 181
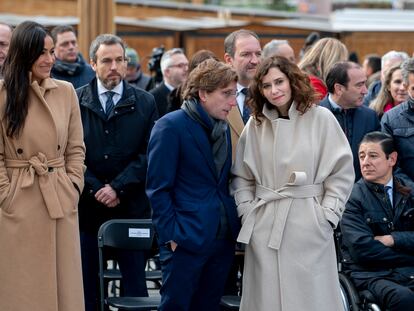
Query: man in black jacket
174, 68
69, 65
117, 121
346, 86
378, 227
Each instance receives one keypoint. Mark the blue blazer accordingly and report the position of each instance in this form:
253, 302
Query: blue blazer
364, 120
183, 186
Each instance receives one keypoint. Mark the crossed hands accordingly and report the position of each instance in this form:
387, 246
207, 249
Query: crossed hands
107, 196
387, 240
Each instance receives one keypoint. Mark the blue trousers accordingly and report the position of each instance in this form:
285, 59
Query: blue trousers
131, 264
195, 281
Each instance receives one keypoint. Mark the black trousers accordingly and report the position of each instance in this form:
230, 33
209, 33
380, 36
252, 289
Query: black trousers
131, 264
394, 292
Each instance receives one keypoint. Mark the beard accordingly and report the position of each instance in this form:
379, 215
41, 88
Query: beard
112, 82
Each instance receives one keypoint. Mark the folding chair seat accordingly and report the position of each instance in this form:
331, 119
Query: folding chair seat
131, 234
230, 302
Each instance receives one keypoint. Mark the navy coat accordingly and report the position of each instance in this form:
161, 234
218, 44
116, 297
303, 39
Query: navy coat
368, 214
116, 154
183, 186
399, 123
362, 120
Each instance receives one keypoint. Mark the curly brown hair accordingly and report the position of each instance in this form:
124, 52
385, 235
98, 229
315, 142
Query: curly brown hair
302, 92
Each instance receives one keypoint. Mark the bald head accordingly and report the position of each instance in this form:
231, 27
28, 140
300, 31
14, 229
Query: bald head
279, 48
5, 36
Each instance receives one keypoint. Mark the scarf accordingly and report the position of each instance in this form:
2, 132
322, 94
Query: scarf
410, 102
215, 128
69, 68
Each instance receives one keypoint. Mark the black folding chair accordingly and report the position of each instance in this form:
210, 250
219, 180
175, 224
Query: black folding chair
132, 234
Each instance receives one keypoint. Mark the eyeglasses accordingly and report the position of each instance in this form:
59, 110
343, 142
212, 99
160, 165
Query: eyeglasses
229, 93
180, 65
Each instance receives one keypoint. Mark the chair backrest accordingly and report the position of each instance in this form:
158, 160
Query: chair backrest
134, 234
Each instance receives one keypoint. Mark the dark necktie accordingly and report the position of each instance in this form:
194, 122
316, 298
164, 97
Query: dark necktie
246, 109
109, 105
388, 196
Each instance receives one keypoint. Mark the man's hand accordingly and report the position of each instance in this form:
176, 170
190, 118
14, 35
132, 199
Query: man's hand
387, 240
107, 196
173, 246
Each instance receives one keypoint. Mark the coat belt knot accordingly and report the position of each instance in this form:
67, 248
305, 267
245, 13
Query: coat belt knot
295, 189
39, 165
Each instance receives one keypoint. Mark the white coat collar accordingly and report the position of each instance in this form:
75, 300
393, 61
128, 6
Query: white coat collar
273, 114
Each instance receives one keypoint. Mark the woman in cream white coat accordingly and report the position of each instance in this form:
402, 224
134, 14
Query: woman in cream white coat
292, 176
41, 176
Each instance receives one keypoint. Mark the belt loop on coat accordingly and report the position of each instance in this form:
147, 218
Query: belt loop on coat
39, 165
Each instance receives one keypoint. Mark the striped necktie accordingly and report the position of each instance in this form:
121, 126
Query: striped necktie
109, 105
246, 109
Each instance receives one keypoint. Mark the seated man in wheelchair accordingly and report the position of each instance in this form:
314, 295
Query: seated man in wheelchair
378, 227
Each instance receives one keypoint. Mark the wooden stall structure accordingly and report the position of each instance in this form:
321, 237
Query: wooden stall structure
95, 17
145, 24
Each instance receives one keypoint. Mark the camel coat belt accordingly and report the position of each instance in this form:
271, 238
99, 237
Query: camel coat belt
286, 194
42, 167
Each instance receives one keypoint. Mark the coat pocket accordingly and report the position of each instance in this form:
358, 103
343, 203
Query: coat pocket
324, 225
72, 197
6, 206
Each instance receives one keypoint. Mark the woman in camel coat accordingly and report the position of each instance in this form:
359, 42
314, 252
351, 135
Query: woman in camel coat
292, 176
41, 176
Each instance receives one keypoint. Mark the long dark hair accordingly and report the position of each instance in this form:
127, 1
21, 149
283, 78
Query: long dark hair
26, 45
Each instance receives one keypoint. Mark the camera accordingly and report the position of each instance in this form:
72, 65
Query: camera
154, 64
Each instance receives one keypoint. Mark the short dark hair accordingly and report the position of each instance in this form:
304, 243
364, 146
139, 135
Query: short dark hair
339, 74
199, 57
60, 29
104, 39
230, 41
374, 62
385, 140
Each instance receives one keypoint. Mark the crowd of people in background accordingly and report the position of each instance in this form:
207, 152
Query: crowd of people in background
260, 151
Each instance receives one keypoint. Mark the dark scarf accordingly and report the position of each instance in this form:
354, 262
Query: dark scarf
216, 128
69, 68
410, 102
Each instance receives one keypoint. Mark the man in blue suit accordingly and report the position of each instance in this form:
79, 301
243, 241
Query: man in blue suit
346, 83
189, 160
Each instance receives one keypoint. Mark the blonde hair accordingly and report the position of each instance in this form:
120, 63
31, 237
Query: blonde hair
322, 55
384, 96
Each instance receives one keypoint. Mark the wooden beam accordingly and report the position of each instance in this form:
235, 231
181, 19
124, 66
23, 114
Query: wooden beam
95, 17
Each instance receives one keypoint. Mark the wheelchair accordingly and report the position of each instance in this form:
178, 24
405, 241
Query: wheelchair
352, 299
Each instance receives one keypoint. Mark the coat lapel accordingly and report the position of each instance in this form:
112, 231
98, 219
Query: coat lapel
235, 121
201, 139
41, 92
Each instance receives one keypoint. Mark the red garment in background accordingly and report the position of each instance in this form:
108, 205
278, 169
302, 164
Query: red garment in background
319, 87
389, 106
